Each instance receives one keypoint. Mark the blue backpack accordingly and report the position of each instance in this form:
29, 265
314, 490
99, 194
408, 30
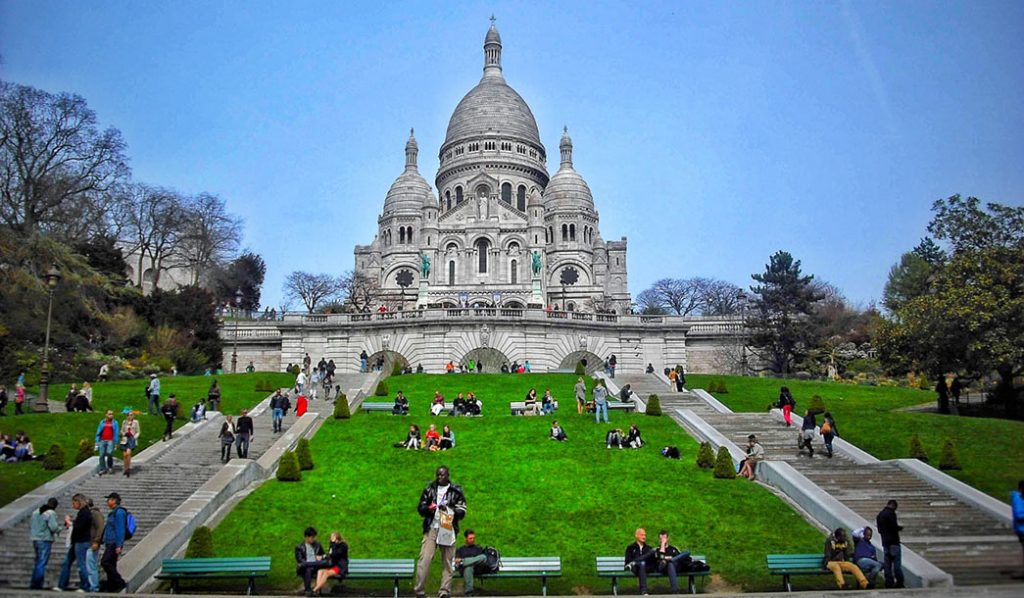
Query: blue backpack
130, 524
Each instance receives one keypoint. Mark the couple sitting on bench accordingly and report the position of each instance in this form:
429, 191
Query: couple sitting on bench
664, 558
311, 561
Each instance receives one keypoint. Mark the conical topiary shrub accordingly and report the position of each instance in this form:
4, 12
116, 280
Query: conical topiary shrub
341, 410
85, 450
653, 405
396, 370
722, 388
382, 389
304, 455
580, 370
949, 458
54, 459
817, 405
917, 449
288, 469
200, 545
724, 469
706, 456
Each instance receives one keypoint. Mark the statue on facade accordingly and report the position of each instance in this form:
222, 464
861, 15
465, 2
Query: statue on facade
536, 263
425, 265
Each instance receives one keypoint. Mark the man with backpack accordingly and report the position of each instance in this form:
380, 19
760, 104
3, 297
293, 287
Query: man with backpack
115, 533
471, 559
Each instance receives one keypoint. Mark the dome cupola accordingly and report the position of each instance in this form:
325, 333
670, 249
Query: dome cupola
567, 189
410, 191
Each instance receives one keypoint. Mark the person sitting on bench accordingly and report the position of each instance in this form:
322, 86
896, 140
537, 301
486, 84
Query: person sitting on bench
309, 558
671, 561
625, 394
467, 557
337, 563
437, 405
838, 552
532, 408
473, 405
641, 558
401, 404
614, 437
459, 405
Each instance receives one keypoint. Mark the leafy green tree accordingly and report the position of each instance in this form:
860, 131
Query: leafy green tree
781, 330
910, 278
245, 273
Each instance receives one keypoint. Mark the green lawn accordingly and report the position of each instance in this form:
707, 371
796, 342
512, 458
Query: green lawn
67, 429
991, 450
526, 495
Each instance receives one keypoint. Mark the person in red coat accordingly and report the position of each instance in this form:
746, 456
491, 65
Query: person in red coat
301, 405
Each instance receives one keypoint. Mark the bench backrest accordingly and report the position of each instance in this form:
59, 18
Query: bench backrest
795, 562
217, 565
381, 566
377, 406
549, 564
616, 564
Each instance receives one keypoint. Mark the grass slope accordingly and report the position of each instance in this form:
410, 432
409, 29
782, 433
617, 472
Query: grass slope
527, 495
66, 429
991, 450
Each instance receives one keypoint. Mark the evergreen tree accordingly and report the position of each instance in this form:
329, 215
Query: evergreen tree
917, 449
85, 450
724, 468
200, 545
288, 469
949, 459
54, 460
781, 329
653, 405
304, 454
382, 389
341, 409
706, 456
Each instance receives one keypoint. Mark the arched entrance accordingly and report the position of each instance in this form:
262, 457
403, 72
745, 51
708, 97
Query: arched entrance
390, 359
491, 358
593, 362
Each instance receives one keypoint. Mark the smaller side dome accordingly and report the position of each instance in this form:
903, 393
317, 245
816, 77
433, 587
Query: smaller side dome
567, 189
410, 190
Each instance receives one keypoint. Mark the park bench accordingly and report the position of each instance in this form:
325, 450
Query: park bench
519, 407
788, 565
394, 569
615, 567
378, 407
618, 406
542, 567
217, 568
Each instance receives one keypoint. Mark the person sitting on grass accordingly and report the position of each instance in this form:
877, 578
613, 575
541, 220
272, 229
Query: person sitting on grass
459, 405
547, 402
7, 448
412, 439
309, 559
23, 450
838, 553
865, 555
557, 432
447, 438
531, 403
437, 404
634, 439
614, 437
337, 563
401, 405
473, 405
755, 453
433, 439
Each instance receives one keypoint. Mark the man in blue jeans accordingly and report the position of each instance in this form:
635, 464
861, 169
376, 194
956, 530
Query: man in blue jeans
113, 541
277, 410
889, 528
81, 539
864, 554
107, 434
600, 402
44, 528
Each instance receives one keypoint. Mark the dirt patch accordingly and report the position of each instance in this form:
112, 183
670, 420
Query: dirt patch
717, 585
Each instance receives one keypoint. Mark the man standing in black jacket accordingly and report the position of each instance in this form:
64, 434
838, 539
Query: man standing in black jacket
81, 541
243, 434
889, 529
640, 557
442, 505
170, 411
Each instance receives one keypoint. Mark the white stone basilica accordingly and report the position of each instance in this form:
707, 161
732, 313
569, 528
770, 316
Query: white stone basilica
500, 232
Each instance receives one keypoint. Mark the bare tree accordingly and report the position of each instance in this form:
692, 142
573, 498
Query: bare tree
153, 218
311, 289
684, 296
650, 302
721, 298
54, 160
359, 291
209, 236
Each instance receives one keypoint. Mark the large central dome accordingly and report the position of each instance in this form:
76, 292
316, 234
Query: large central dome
492, 107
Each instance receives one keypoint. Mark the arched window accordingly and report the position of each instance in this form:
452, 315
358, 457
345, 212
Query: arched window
551, 234
506, 192
448, 200
451, 248
570, 306
401, 235
565, 232
408, 234
514, 275
513, 247
521, 198
572, 232
451, 272
481, 248
458, 195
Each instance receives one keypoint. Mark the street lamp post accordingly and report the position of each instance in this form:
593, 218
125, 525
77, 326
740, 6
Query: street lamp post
234, 349
742, 298
41, 406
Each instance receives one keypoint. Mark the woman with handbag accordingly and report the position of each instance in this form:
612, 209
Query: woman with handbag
129, 440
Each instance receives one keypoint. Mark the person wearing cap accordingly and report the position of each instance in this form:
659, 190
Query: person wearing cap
113, 542
44, 528
755, 453
153, 394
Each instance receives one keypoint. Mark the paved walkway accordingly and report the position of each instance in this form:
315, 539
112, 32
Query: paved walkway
960, 539
153, 491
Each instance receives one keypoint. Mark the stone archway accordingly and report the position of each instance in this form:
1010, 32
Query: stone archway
390, 359
491, 358
594, 363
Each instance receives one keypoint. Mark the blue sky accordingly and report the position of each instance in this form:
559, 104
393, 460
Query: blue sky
711, 133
